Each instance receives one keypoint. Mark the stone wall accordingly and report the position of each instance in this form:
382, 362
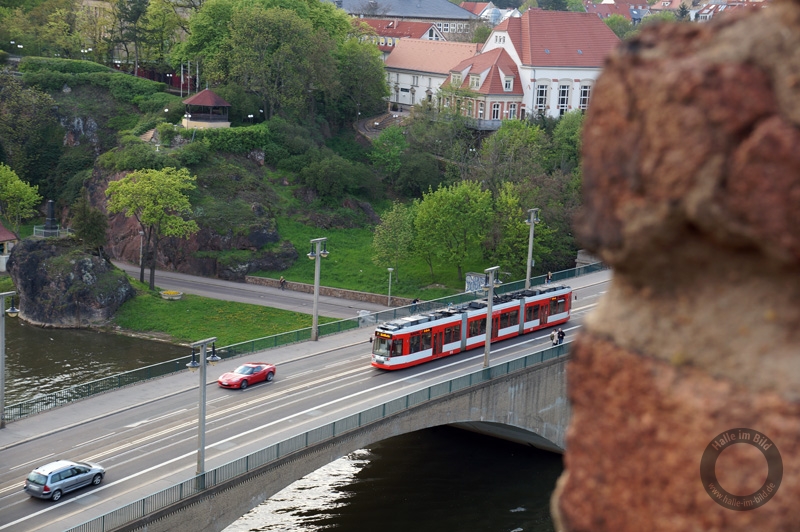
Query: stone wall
692, 195
341, 293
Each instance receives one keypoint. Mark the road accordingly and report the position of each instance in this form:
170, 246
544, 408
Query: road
253, 294
146, 435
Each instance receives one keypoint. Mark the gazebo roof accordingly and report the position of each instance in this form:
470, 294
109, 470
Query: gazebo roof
6, 235
206, 98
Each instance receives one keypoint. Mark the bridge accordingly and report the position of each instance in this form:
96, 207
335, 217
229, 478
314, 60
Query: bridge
325, 403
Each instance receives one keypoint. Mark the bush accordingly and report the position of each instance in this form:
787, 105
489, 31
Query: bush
166, 133
193, 153
122, 87
3, 57
67, 66
237, 139
274, 154
157, 102
133, 154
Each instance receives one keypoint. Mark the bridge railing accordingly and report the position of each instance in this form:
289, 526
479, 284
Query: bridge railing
178, 492
48, 401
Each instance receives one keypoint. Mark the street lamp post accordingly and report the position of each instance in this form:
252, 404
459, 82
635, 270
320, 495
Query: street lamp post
315, 255
251, 118
194, 365
389, 304
490, 286
533, 219
13, 312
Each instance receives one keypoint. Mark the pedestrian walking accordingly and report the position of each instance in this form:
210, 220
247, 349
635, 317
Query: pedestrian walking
553, 337
549, 278
561, 334
282, 283
414, 305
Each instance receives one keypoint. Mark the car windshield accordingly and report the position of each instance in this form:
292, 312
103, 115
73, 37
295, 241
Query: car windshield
37, 478
245, 370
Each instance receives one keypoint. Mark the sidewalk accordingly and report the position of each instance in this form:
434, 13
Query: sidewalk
106, 404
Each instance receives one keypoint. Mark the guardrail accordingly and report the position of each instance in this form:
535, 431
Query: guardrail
82, 391
189, 488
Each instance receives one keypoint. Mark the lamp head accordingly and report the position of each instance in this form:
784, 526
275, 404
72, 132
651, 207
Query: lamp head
13, 311
213, 359
194, 365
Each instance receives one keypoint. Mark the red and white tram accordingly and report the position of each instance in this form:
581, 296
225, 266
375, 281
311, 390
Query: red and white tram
423, 337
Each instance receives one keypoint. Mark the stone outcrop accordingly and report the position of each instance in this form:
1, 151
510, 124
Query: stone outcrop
60, 285
692, 194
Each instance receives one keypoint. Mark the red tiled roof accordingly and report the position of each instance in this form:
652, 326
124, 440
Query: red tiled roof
6, 235
430, 56
498, 64
475, 8
206, 98
606, 10
398, 28
560, 38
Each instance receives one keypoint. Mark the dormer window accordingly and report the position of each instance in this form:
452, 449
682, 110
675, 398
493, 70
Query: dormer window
455, 79
508, 83
474, 81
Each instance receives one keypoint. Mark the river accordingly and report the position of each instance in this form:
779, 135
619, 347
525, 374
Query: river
441, 479
435, 480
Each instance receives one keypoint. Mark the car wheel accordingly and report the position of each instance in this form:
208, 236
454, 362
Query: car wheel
270, 376
243, 385
97, 479
56, 495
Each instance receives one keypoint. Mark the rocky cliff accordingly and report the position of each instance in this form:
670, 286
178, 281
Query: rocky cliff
685, 382
59, 285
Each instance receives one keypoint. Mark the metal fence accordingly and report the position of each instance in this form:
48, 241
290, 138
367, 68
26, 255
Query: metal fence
164, 498
82, 391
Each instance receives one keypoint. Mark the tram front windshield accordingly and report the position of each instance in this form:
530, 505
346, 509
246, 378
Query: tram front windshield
383, 347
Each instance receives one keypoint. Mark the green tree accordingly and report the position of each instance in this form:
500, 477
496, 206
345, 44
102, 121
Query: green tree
361, 77
683, 12
387, 149
658, 18
89, 223
453, 221
566, 142
17, 198
280, 57
621, 26
158, 201
394, 237
516, 150
131, 26
553, 5
28, 131
482, 33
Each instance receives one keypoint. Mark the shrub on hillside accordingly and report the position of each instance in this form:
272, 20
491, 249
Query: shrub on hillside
67, 66
234, 140
193, 153
123, 87
3, 57
157, 102
133, 154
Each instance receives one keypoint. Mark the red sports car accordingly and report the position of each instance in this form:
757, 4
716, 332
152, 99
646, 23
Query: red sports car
247, 374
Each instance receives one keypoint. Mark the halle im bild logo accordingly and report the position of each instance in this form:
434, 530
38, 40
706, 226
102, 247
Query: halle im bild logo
759, 497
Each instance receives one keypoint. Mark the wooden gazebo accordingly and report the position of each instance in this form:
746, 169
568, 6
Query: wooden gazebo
206, 110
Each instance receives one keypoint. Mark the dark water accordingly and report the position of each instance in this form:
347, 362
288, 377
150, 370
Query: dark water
41, 361
439, 479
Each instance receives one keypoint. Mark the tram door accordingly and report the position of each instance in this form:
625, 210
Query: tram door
544, 312
438, 341
495, 326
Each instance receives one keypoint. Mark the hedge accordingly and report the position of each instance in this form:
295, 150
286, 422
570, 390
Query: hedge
67, 66
123, 87
234, 140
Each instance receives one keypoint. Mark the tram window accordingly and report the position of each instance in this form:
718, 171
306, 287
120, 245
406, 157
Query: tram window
532, 313
426, 341
477, 328
397, 348
507, 319
380, 346
557, 306
452, 334
414, 344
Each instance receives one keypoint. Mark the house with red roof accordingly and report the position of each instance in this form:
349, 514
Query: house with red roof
7, 242
416, 69
388, 32
491, 89
559, 56
206, 110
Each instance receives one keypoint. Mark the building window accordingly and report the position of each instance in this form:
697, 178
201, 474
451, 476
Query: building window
466, 28
512, 111
439, 26
563, 99
382, 41
586, 93
456, 80
460, 28
474, 81
508, 84
541, 98
430, 33
480, 110
495, 111
415, 80
446, 27
469, 108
